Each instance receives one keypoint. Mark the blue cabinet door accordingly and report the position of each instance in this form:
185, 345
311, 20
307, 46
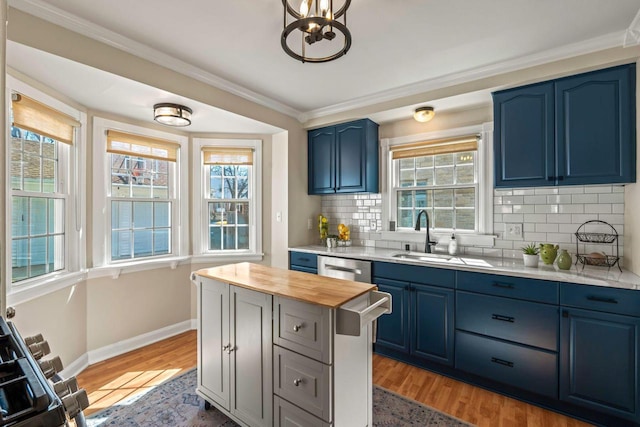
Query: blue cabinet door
321, 161
432, 330
350, 157
599, 362
595, 121
524, 136
393, 329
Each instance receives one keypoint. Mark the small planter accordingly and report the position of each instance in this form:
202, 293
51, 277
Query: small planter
530, 260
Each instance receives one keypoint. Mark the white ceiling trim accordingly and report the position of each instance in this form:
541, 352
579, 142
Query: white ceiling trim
86, 28
563, 52
632, 35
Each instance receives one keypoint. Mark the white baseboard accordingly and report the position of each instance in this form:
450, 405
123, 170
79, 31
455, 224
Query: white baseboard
75, 367
121, 347
194, 324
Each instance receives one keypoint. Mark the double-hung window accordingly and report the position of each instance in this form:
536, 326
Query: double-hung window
142, 195
440, 177
229, 208
41, 147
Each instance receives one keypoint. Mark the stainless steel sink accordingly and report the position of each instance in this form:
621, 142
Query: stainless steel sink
420, 256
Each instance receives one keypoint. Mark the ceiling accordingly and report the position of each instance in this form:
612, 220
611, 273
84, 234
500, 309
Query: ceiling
399, 48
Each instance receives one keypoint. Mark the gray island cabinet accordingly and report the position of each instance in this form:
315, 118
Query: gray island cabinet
285, 348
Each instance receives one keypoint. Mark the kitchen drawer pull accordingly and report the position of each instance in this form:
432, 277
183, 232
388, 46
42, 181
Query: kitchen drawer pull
503, 318
602, 299
296, 328
503, 285
502, 362
297, 382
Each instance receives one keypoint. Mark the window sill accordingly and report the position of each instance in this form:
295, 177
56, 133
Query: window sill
41, 286
464, 239
115, 270
217, 258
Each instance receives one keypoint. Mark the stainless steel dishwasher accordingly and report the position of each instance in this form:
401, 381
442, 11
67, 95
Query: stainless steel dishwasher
344, 268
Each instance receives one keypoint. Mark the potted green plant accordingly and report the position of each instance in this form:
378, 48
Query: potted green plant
530, 255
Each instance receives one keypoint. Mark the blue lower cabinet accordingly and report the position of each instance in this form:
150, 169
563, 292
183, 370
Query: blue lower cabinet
393, 329
421, 323
521, 366
432, 330
302, 261
599, 362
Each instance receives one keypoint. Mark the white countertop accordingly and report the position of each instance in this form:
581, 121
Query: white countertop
590, 275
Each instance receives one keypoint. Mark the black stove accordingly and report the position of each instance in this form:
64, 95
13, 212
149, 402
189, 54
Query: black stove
27, 399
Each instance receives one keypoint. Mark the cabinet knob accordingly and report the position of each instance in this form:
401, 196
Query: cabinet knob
296, 328
297, 382
226, 347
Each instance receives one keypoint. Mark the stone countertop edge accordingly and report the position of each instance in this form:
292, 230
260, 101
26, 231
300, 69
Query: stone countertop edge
590, 275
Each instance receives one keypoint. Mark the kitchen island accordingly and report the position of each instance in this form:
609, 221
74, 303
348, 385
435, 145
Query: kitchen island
279, 347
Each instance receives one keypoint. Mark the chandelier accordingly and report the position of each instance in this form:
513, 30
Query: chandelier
322, 37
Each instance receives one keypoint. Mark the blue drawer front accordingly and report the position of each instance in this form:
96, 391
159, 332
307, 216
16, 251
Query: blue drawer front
510, 287
601, 298
516, 365
415, 274
303, 269
303, 259
524, 322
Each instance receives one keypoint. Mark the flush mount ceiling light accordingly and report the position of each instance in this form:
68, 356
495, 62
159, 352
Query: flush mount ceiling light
315, 35
172, 114
424, 114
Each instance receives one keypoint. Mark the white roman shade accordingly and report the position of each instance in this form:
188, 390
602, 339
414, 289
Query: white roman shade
227, 156
34, 116
141, 146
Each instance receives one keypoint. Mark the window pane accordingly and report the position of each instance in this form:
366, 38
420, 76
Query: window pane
464, 174
56, 216
405, 199
38, 256
242, 213
216, 187
19, 216
423, 218
16, 164
32, 180
444, 160
19, 259
38, 216
142, 243
120, 245
215, 239
406, 164
424, 162
143, 215
48, 176
406, 178
443, 218
443, 198
162, 214
229, 190
243, 187
161, 242
243, 237
423, 198
121, 213
56, 253
229, 237
468, 157
466, 197
424, 177
405, 218
465, 219
444, 176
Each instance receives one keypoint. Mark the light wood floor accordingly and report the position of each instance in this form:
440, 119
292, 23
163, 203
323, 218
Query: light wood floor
115, 379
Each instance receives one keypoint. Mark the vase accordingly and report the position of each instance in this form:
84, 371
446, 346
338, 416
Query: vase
564, 260
530, 260
548, 253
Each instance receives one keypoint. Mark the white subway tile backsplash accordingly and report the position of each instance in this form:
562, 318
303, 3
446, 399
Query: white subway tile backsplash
549, 215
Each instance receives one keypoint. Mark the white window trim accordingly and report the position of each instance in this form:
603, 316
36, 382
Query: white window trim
484, 236
200, 217
75, 219
102, 212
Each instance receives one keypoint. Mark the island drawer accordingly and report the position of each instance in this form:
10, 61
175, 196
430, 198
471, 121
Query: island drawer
509, 286
516, 365
601, 298
287, 415
303, 259
524, 322
302, 381
304, 328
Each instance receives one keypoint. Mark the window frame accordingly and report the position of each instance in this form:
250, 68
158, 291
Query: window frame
71, 189
200, 212
178, 196
483, 235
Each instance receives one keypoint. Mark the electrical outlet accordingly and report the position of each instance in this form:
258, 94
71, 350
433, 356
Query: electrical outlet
514, 230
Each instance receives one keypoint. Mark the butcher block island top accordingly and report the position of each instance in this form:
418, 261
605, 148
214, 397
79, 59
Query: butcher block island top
306, 287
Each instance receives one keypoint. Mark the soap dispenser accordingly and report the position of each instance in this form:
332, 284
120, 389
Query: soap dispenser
453, 245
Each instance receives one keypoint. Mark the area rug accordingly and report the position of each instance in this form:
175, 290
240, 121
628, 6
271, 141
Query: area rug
175, 403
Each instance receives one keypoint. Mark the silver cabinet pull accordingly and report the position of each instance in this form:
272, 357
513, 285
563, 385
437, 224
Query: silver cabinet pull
226, 347
296, 328
230, 349
297, 382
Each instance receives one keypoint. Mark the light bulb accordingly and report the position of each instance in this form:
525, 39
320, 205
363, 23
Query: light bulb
304, 7
324, 9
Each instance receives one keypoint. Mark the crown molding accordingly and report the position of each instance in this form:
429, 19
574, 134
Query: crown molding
632, 35
563, 52
79, 25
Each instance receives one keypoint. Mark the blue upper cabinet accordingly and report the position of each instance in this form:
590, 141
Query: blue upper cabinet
570, 131
344, 158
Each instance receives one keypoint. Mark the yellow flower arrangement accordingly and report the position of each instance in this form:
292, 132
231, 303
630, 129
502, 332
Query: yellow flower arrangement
323, 226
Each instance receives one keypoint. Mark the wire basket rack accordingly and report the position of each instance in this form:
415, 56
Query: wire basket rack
586, 234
